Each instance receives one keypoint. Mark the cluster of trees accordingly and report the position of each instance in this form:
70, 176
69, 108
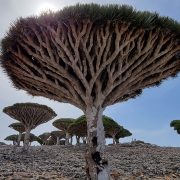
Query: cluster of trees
91, 56
31, 115
112, 129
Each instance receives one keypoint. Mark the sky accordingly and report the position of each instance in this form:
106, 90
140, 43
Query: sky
147, 117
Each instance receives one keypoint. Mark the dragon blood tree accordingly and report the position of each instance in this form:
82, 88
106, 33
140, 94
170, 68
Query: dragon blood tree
63, 125
20, 128
176, 125
78, 128
111, 127
58, 135
32, 138
44, 138
92, 56
13, 138
121, 134
30, 115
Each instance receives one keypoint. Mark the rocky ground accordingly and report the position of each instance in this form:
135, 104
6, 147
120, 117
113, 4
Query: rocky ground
128, 161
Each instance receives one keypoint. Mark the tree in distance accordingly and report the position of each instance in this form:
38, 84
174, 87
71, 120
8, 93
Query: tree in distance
44, 138
121, 134
92, 56
79, 129
63, 125
20, 128
13, 138
58, 135
176, 125
111, 127
30, 115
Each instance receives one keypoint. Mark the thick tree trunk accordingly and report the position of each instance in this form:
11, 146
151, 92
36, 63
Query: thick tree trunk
71, 140
67, 138
77, 140
84, 140
97, 168
14, 143
117, 141
114, 141
57, 141
27, 139
19, 139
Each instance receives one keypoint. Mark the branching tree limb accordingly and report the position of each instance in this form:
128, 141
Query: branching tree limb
92, 56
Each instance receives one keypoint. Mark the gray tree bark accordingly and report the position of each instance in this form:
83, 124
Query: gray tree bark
26, 139
19, 139
67, 138
114, 141
117, 141
57, 141
77, 140
71, 140
97, 168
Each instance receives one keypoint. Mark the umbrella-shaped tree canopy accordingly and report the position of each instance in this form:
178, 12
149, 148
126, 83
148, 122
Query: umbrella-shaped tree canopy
60, 134
122, 133
92, 56
111, 127
30, 114
13, 137
176, 125
78, 127
63, 123
91, 48
18, 127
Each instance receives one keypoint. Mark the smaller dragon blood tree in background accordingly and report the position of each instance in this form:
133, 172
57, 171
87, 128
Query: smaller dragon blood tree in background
30, 115
63, 125
58, 135
176, 125
20, 128
13, 138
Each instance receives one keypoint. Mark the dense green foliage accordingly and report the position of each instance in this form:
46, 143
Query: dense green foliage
13, 137
111, 127
96, 13
60, 134
123, 133
176, 125
63, 123
78, 127
18, 126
